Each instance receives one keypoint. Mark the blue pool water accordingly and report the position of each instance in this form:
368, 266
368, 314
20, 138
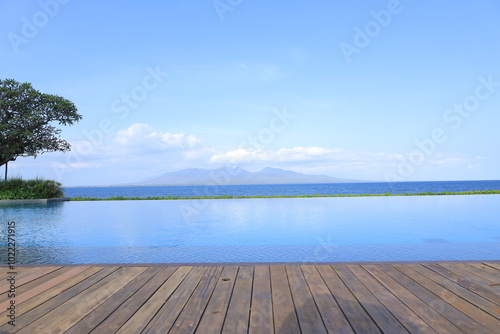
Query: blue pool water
258, 230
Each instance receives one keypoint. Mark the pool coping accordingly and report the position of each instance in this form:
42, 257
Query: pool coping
34, 201
208, 264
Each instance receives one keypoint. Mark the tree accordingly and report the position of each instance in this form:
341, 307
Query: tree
26, 121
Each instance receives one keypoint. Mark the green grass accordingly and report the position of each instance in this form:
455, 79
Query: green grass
17, 188
121, 198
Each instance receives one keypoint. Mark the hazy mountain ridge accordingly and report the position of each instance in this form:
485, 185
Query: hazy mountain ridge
238, 176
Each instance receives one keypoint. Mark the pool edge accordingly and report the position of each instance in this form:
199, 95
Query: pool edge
208, 264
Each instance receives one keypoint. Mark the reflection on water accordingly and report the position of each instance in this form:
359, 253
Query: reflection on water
257, 230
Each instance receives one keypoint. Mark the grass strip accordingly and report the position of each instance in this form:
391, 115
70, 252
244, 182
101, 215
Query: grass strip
121, 198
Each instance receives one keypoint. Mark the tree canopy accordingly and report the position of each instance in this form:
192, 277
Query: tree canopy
27, 120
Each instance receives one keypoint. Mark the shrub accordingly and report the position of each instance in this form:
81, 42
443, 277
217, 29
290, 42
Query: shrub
17, 188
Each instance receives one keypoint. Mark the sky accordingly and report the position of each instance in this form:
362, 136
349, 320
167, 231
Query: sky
370, 90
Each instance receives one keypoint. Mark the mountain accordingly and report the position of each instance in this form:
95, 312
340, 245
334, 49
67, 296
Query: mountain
227, 176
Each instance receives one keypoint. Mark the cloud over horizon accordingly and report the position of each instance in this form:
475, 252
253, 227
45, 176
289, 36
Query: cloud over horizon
141, 148
144, 137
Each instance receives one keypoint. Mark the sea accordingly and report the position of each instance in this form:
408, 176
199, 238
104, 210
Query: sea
283, 189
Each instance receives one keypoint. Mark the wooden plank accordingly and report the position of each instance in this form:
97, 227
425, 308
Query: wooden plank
480, 269
140, 320
98, 315
354, 312
238, 313
47, 294
36, 309
459, 319
22, 280
333, 318
384, 319
20, 273
215, 313
416, 272
261, 310
284, 316
406, 316
435, 320
36, 281
189, 318
493, 265
310, 320
470, 273
122, 314
67, 314
62, 275
166, 316
471, 286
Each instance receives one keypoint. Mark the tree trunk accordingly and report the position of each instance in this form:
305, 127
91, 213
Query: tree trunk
5, 162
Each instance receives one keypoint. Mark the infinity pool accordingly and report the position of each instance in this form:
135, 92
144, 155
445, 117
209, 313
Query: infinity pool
417, 228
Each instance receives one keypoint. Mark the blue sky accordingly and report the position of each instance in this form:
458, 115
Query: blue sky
375, 90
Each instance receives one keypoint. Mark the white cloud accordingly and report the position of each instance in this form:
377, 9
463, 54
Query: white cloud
238, 156
193, 141
143, 137
76, 165
200, 153
451, 161
305, 153
297, 154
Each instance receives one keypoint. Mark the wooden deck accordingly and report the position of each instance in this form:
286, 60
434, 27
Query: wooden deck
444, 297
